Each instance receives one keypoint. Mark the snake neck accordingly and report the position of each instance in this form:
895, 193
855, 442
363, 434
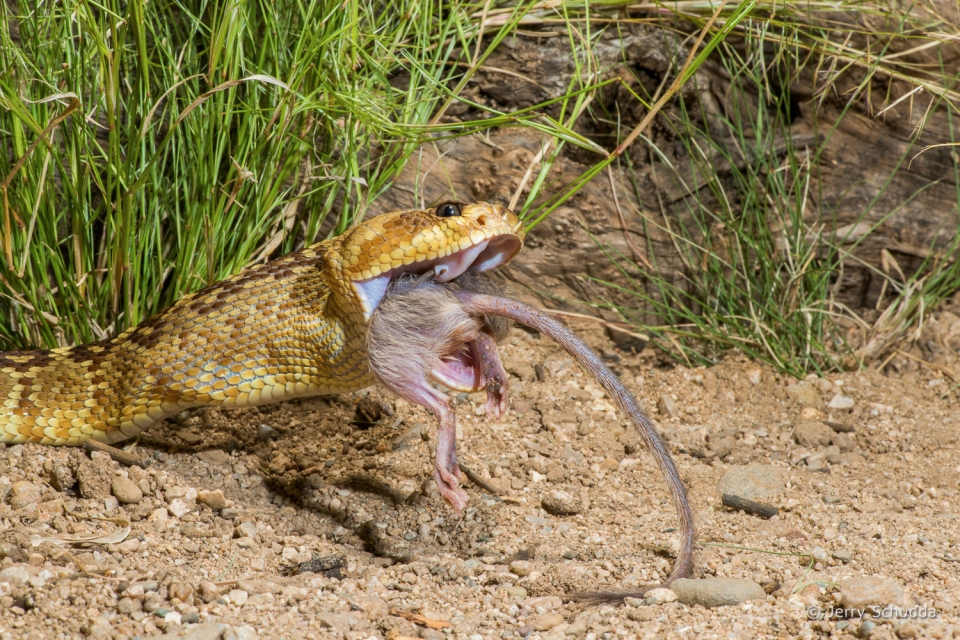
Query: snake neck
273, 332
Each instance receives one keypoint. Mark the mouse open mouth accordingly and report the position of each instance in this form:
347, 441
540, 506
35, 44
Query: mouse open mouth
460, 370
479, 258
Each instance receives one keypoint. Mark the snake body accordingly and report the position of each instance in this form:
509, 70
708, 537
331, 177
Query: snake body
288, 328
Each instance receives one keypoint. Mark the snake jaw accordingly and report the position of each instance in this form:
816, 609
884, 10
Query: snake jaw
481, 257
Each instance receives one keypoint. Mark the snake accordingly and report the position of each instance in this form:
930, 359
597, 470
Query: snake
288, 328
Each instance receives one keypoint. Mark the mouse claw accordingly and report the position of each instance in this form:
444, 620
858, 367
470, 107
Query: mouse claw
449, 488
496, 380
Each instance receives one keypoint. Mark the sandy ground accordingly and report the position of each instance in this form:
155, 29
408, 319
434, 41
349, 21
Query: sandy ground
862, 466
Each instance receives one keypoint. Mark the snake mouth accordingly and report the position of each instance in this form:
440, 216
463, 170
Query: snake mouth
479, 258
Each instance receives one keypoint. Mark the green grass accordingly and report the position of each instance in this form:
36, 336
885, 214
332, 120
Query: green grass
151, 148
760, 256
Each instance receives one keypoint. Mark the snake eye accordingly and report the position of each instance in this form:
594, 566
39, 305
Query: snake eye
448, 210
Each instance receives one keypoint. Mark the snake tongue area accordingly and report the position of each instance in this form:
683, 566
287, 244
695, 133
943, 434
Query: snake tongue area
480, 258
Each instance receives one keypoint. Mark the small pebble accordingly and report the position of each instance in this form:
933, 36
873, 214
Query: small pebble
659, 596
817, 461
213, 499
125, 490
521, 567
805, 393
668, 406
127, 606
812, 434
265, 432
841, 402
715, 592
23, 493
180, 590
843, 556
547, 621
560, 503
865, 591
179, 508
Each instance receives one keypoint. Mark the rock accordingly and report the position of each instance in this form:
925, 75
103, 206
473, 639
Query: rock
246, 632
841, 402
126, 490
369, 412
61, 477
660, 596
23, 493
245, 530
717, 592
755, 375
127, 606
547, 621
865, 591
238, 597
99, 627
215, 457
205, 631
229, 513
819, 554
213, 499
817, 461
173, 617
805, 393
375, 608
409, 438
16, 574
152, 602
180, 590
752, 481
94, 479
179, 508
209, 591
518, 592
521, 567
866, 628
189, 438
560, 503
812, 434
843, 441
266, 432
543, 603
843, 556
339, 623
667, 406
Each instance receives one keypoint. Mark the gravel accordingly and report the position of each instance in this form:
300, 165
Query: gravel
266, 539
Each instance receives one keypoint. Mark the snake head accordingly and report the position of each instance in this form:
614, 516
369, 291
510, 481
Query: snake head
447, 240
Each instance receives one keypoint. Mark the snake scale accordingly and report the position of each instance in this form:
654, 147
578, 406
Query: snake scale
289, 328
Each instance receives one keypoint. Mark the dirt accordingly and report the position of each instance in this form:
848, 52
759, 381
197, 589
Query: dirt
315, 481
